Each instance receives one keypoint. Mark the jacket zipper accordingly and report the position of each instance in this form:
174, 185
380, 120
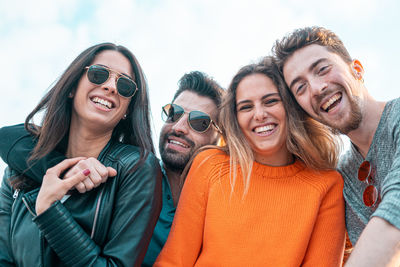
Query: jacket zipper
15, 195
96, 215
27, 206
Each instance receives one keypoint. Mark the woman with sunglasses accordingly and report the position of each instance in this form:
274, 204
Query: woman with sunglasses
270, 197
97, 109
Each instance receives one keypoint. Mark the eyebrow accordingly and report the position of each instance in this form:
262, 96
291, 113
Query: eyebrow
264, 97
312, 66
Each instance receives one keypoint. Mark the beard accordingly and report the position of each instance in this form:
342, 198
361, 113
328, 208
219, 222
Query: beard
174, 160
353, 120
355, 116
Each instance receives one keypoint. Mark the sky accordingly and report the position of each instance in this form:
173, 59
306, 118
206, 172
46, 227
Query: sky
40, 38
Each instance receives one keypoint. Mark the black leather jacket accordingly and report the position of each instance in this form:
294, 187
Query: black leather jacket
108, 226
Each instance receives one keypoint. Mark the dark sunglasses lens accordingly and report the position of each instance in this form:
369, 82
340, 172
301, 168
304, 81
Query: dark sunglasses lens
364, 171
199, 121
172, 113
370, 195
97, 74
125, 87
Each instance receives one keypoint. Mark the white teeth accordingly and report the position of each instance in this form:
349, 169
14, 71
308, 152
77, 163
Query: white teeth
332, 100
268, 127
103, 102
177, 143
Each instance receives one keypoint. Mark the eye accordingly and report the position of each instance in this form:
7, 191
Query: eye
324, 69
271, 101
244, 108
300, 88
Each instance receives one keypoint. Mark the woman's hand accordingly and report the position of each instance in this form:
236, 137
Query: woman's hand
98, 174
54, 188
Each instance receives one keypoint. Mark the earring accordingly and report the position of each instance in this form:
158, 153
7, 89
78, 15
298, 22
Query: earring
70, 95
124, 117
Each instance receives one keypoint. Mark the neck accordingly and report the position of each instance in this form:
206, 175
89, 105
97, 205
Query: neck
362, 136
282, 157
174, 179
85, 143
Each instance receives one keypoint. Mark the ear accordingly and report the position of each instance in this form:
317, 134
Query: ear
358, 69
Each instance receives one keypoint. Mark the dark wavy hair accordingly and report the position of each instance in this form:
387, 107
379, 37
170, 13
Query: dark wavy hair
52, 132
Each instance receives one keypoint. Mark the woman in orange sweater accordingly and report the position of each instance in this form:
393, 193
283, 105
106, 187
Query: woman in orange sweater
271, 196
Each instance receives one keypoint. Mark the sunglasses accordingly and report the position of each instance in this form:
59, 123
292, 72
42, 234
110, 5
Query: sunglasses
366, 173
98, 75
197, 120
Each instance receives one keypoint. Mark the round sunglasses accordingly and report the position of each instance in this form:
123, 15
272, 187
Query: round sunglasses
366, 174
99, 74
197, 120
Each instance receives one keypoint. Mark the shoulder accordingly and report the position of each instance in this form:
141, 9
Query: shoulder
346, 161
392, 112
323, 181
210, 163
9, 136
123, 152
7, 176
18, 129
129, 154
210, 157
127, 158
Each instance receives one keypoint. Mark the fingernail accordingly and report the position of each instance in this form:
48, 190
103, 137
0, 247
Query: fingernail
86, 172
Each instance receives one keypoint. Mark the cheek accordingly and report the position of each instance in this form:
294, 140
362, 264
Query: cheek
241, 119
304, 102
166, 128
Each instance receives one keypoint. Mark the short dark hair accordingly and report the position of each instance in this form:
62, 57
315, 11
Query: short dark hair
201, 84
302, 37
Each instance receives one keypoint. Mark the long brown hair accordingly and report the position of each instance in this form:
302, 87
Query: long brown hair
56, 106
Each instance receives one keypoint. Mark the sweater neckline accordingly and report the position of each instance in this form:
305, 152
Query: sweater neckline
277, 172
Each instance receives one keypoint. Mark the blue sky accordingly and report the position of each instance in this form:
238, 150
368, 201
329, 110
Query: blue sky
40, 38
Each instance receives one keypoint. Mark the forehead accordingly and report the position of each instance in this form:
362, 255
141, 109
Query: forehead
114, 60
192, 101
301, 60
255, 86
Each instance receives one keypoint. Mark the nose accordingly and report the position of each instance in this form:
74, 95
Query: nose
260, 113
181, 125
111, 84
317, 86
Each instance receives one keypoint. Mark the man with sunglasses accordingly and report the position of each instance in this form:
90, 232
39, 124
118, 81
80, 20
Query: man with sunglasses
328, 84
190, 123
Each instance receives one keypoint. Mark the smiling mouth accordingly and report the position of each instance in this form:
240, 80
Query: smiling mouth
265, 129
102, 102
177, 143
332, 102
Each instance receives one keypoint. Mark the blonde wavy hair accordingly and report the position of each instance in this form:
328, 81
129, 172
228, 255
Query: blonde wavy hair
308, 140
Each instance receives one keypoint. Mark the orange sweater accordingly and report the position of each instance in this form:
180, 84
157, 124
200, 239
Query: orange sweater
291, 216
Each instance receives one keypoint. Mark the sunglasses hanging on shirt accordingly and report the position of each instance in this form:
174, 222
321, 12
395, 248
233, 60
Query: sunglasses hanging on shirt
366, 173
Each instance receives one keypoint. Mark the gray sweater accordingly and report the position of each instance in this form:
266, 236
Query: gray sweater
384, 155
